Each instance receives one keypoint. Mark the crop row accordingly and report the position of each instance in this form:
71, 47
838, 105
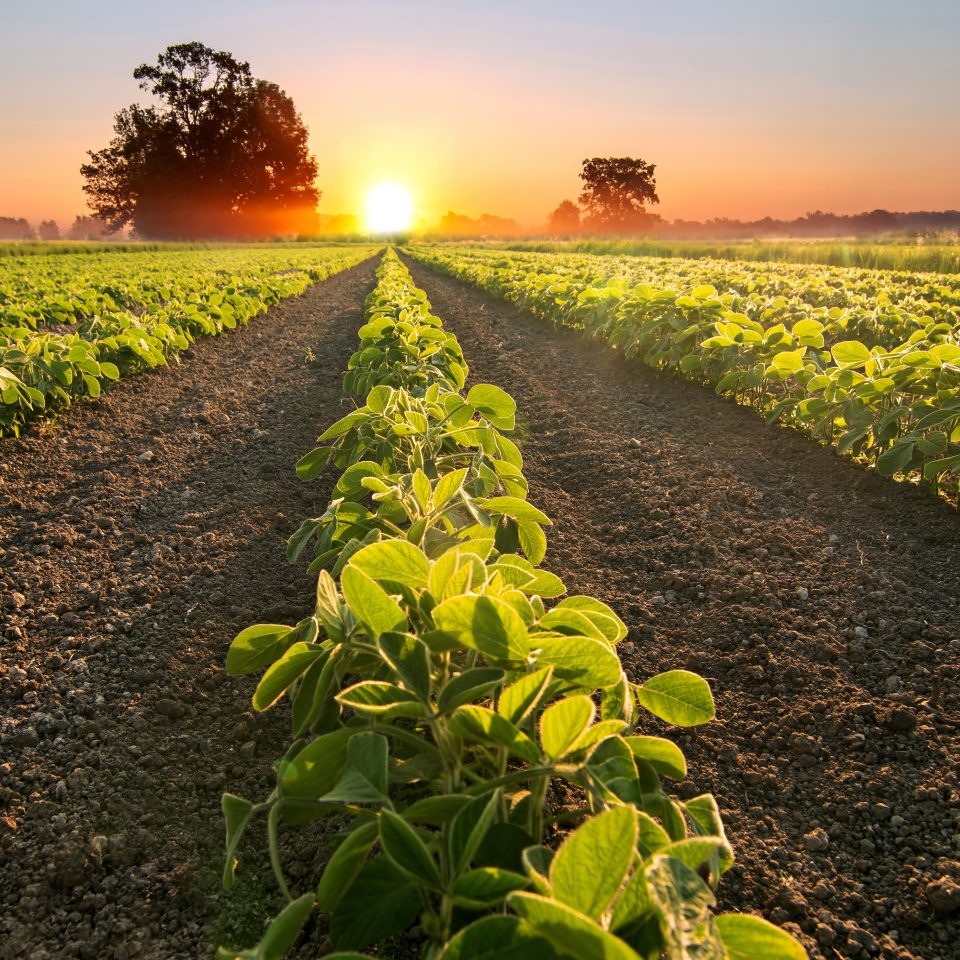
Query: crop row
894, 403
880, 307
475, 739
128, 312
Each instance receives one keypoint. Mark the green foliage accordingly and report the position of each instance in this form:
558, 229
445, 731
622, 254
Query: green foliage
866, 362
69, 325
437, 698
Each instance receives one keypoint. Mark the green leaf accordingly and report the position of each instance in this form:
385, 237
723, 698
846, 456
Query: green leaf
237, 813
381, 902
256, 647
850, 352
309, 466
522, 696
365, 777
663, 755
685, 904
484, 726
516, 508
580, 660
495, 404
396, 560
486, 624
282, 933
344, 865
468, 827
407, 851
593, 861
296, 660
410, 658
678, 697
371, 604
498, 938
316, 769
753, 938
448, 486
602, 616
487, 886
379, 698
563, 723
468, 686
570, 933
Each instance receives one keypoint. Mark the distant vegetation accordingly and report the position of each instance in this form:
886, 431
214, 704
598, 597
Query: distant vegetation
940, 254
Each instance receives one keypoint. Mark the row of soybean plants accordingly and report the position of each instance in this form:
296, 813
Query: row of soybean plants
893, 404
478, 743
68, 324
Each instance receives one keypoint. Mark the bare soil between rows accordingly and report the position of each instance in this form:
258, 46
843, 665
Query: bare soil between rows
139, 534
819, 600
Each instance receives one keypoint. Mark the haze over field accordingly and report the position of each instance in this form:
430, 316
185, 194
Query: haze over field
747, 108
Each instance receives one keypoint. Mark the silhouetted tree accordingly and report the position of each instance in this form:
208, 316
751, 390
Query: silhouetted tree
16, 228
48, 230
565, 219
221, 153
615, 193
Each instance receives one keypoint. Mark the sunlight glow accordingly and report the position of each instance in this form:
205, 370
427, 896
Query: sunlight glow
389, 209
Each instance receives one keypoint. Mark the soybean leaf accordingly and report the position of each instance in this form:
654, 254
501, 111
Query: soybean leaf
371, 604
570, 933
296, 660
344, 865
317, 767
563, 723
487, 886
484, 726
663, 755
468, 827
495, 404
522, 696
407, 851
237, 813
410, 658
498, 938
468, 686
364, 779
486, 624
678, 697
381, 902
580, 660
753, 938
593, 861
284, 930
685, 903
378, 697
396, 560
256, 647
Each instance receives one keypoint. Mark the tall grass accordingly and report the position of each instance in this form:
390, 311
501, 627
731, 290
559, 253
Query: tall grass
938, 256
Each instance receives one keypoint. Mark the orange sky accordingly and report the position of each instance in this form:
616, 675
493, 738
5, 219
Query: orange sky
747, 108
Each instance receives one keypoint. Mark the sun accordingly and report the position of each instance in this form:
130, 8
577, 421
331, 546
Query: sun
389, 209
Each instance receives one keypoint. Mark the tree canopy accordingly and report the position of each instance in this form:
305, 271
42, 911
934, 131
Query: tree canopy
615, 194
218, 153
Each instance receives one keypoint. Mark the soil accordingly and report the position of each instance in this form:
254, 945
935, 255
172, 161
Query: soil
819, 600
139, 534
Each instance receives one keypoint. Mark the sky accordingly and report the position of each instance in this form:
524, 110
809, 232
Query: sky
767, 107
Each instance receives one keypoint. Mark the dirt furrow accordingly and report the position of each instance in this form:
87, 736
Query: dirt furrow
820, 601
138, 535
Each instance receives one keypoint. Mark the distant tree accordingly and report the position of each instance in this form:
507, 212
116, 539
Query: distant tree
615, 193
16, 228
565, 219
220, 153
48, 230
88, 228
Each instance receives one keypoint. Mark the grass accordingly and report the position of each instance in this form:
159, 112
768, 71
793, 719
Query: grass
937, 255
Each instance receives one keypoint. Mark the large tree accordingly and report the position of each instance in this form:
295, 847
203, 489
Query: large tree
615, 194
218, 153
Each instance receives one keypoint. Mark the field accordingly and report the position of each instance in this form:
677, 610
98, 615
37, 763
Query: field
574, 634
